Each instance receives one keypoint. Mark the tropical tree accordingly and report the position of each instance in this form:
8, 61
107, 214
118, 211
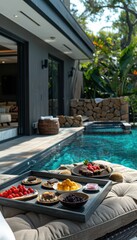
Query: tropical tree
125, 10
112, 73
81, 18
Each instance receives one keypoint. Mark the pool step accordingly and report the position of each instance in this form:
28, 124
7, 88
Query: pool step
107, 127
126, 127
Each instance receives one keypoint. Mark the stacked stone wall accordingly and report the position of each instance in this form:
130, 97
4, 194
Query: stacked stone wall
70, 121
109, 109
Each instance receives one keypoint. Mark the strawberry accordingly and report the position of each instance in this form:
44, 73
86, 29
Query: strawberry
18, 191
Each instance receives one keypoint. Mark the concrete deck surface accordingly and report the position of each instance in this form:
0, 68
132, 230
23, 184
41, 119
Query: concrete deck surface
19, 149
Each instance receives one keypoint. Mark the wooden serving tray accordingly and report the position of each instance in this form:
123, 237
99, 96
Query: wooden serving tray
58, 210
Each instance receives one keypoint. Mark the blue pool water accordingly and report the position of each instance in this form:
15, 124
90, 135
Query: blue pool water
121, 149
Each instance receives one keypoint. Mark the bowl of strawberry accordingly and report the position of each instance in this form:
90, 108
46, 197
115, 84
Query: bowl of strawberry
19, 192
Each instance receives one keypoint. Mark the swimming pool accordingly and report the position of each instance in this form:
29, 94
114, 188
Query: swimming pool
119, 149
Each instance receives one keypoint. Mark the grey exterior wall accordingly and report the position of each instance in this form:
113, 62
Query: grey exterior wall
37, 77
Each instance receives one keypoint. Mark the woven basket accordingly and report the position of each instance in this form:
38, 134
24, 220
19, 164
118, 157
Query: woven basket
48, 126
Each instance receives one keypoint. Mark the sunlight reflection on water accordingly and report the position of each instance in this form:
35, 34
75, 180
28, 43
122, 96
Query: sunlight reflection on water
119, 149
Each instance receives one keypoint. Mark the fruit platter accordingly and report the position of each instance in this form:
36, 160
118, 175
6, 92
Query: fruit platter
19, 193
74, 197
92, 170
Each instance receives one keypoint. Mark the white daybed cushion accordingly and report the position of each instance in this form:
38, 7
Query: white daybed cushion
118, 209
5, 230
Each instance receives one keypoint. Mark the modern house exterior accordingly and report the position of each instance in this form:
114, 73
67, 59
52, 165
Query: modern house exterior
41, 45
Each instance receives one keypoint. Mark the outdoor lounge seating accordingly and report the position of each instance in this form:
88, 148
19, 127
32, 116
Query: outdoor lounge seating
118, 209
10, 110
5, 118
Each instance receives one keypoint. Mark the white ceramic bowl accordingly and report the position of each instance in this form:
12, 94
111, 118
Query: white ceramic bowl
60, 191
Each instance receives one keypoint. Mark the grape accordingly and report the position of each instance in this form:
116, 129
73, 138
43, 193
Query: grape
73, 198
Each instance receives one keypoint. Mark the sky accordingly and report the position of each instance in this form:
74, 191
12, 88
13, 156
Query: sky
96, 26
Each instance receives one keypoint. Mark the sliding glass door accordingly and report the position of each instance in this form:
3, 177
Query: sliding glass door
56, 87
14, 79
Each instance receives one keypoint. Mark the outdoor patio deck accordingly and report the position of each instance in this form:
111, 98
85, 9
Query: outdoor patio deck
17, 150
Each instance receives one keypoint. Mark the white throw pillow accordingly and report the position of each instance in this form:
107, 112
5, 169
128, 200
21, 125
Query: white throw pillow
5, 230
46, 117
